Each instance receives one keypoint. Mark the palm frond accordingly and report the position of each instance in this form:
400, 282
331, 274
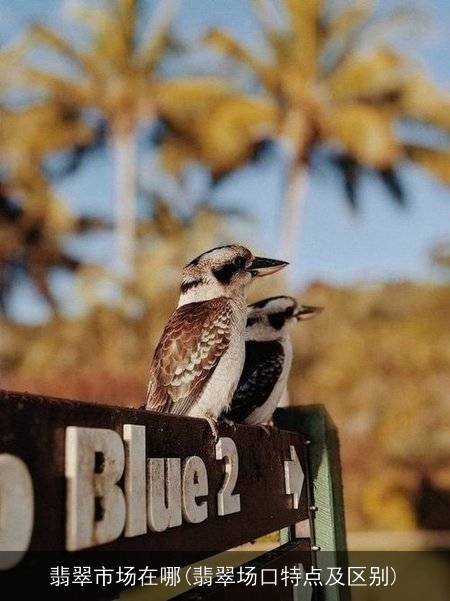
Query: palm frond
175, 153
78, 153
367, 76
393, 185
423, 100
435, 161
128, 13
343, 24
350, 172
304, 19
366, 133
228, 138
108, 40
48, 37
230, 47
183, 103
32, 78
158, 34
267, 15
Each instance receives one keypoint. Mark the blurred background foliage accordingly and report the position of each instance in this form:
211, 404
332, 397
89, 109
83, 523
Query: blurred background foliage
325, 89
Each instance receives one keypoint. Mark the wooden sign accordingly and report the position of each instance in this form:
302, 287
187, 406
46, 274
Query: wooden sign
76, 476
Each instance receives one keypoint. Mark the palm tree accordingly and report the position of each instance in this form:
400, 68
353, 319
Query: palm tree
33, 219
116, 75
213, 125
333, 93
24, 148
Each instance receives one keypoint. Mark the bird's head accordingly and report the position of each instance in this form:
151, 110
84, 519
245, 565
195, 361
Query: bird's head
223, 271
271, 318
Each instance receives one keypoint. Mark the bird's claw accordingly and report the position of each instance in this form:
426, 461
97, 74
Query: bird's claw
212, 423
268, 428
228, 422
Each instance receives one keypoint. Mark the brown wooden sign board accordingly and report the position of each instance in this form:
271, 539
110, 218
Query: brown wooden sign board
55, 440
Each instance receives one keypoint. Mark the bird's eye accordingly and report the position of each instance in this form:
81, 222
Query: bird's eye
277, 320
225, 273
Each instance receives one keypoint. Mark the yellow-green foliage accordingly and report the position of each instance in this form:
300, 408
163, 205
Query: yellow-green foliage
378, 358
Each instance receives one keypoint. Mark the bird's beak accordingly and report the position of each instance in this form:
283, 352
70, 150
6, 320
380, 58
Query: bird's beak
307, 312
260, 267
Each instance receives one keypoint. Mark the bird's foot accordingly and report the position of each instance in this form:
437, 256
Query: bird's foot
212, 423
228, 422
268, 428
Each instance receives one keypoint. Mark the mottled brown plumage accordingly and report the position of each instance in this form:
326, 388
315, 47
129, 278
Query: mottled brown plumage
193, 341
199, 358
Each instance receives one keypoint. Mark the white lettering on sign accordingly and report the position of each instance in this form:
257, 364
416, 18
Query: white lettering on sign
135, 480
158, 493
227, 502
164, 493
195, 484
293, 477
95, 504
16, 510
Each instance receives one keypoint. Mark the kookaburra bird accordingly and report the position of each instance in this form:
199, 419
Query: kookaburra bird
200, 356
268, 358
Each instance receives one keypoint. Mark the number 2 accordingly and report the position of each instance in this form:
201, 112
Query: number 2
227, 502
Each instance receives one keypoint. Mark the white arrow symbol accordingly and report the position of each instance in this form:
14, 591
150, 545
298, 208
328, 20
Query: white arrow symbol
293, 477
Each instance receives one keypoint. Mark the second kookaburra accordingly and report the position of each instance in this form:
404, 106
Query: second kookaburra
200, 356
268, 358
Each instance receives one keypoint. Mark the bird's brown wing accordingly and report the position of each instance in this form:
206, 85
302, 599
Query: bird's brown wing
193, 341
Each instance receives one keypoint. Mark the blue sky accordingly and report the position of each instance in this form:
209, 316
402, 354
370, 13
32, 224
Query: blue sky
380, 242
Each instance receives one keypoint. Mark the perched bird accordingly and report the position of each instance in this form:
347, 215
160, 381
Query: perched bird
268, 358
199, 358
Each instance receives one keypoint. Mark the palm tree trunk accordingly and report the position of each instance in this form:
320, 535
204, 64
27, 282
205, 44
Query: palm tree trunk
291, 212
125, 158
